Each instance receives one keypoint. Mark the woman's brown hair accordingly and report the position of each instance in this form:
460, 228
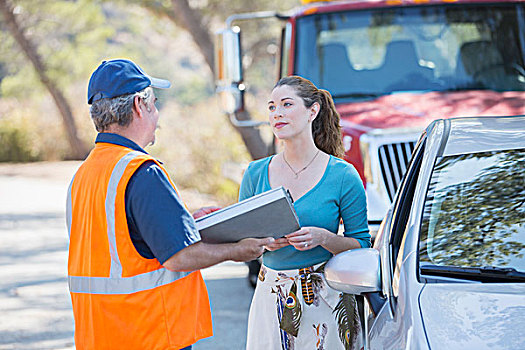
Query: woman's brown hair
326, 130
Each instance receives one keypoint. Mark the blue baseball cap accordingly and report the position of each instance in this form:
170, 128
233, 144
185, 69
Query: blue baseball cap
120, 77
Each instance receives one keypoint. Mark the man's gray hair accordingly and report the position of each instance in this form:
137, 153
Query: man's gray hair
118, 110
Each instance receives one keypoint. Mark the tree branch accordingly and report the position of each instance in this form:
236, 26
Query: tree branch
188, 19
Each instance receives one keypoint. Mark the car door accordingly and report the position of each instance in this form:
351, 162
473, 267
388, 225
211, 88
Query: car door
385, 326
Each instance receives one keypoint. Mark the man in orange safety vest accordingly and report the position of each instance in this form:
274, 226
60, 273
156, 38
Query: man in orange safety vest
134, 253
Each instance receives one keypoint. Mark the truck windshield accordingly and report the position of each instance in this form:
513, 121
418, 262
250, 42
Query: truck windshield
365, 54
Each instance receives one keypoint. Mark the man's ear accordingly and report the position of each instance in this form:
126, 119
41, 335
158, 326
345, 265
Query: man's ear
137, 106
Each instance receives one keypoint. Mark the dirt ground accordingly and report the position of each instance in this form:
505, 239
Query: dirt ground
63, 171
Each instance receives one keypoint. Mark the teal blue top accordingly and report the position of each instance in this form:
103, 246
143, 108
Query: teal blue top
339, 194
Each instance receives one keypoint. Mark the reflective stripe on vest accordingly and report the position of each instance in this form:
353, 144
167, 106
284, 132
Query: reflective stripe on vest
69, 210
115, 283
126, 285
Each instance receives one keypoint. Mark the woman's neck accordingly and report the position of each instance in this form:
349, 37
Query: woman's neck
299, 151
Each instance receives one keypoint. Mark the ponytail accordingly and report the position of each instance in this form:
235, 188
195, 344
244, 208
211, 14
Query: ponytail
326, 130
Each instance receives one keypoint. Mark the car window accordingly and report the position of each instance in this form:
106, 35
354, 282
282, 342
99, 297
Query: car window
403, 204
474, 212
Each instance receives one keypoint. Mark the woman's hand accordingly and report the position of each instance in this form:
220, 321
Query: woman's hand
277, 244
204, 211
307, 237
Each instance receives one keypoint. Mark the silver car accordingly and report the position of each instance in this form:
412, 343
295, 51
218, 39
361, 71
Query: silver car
447, 270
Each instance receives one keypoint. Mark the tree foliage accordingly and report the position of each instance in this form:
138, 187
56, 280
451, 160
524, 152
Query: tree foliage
21, 35
202, 18
72, 37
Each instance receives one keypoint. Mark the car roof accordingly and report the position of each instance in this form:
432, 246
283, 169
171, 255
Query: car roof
480, 134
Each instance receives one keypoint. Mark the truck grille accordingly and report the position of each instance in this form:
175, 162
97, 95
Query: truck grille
393, 161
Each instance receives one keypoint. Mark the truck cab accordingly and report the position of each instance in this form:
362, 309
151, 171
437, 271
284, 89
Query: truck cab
392, 67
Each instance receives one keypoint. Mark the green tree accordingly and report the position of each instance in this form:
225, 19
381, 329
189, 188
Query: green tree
64, 40
58, 42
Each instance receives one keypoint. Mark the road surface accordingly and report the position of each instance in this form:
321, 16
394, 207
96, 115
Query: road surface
35, 307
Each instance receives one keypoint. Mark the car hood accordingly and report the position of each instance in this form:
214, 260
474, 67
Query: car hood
418, 110
474, 316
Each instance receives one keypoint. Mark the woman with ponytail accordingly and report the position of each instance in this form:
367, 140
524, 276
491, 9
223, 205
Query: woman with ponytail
293, 307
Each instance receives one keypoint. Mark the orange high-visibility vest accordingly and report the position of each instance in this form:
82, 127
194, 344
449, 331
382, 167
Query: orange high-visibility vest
122, 300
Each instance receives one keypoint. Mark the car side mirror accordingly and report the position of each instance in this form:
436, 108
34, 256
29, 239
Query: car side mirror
355, 271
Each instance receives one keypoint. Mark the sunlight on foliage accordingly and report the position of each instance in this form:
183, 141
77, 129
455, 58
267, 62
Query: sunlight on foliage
199, 146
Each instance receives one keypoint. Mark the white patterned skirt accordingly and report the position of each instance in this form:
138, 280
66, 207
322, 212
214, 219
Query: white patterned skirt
297, 310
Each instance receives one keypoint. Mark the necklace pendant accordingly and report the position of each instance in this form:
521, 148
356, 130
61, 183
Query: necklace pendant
296, 174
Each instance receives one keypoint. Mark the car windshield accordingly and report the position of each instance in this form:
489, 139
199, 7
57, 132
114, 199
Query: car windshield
474, 213
369, 53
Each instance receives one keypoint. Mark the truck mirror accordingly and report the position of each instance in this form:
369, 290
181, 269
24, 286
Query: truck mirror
228, 65
231, 97
228, 69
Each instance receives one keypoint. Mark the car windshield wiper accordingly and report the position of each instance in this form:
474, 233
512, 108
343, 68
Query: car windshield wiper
358, 95
483, 274
464, 88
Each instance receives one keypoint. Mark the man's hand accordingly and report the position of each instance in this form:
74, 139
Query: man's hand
278, 244
250, 248
201, 255
204, 211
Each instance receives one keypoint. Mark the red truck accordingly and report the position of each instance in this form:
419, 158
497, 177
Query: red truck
392, 67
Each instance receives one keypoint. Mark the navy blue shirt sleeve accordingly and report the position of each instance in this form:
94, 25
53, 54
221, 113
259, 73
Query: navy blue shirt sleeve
159, 224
